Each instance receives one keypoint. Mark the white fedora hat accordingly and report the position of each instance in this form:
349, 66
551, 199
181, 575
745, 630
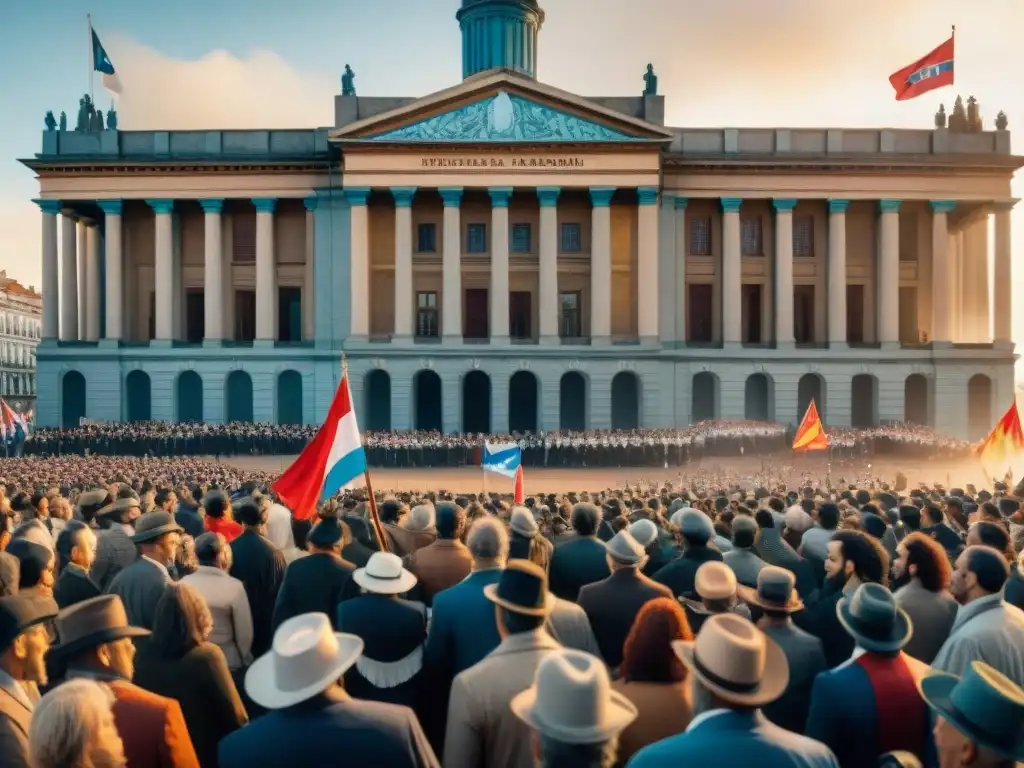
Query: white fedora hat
384, 575
572, 700
306, 659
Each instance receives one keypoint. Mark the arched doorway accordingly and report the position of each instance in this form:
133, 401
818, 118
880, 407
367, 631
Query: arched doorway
704, 397
238, 395
864, 401
138, 396
810, 388
377, 388
427, 393
625, 401
289, 397
572, 402
522, 402
757, 398
476, 403
72, 399
979, 406
189, 396
916, 405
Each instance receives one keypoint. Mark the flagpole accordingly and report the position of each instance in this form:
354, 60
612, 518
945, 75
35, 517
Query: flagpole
371, 500
92, 61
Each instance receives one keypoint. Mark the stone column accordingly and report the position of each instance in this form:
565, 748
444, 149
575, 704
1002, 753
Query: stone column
164, 269
889, 274
83, 276
404, 300
647, 265
451, 266
68, 279
113, 269
51, 282
547, 197
732, 272
500, 197
266, 270
92, 283
601, 265
784, 272
1003, 275
359, 251
941, 325
837, 331
309, 276
679, 251
213, 269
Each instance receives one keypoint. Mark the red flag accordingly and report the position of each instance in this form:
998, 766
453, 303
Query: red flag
932, 71
1006, 440
811, 435
519, 494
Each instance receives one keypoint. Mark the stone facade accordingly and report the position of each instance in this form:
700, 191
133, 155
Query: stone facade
20, 331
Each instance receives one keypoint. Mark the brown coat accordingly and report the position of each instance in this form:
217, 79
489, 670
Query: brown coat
152, 728
439, 565
664, 709
403, 541
14, 721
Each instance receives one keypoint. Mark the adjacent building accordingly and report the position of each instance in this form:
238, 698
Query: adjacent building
20, 332
505, 255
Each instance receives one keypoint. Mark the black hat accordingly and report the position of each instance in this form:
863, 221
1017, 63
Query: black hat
327, 532
872, 525
18, 613
522, 588
872, 618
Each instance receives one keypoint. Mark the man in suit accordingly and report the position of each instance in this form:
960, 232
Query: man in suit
775, 550
482, 730
923, 568
141, 585
115, 549
743, 558
612, 604
260, 566
734, 670
311, 717
445, 562
697, 532
76, 546
582, 559
96, 643
24, 642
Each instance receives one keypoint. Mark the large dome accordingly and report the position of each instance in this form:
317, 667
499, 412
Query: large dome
499, 33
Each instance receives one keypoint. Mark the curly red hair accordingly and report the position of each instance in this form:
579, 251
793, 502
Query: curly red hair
647, 656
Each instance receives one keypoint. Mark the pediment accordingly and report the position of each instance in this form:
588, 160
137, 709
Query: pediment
503, 108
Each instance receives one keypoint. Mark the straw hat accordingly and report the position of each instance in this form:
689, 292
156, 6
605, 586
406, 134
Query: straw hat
715, 581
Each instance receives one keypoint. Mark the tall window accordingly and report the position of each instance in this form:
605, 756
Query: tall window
803, 236
195, 315
750, 236
522, 238
243, 237
426, 314
245, 315
572, 240
571, 327
426, 238
476, 238
700, 236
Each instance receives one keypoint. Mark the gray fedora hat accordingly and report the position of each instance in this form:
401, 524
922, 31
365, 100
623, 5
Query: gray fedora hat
120, 505
776, 591
153, 525
873, 619
625, 550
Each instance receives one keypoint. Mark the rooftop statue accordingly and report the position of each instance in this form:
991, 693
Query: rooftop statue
50, 121
958, 120
348, 82
973, 116
86, 109
63, 120
940, 117
97, 121
1002, 123
111, 119
650, 82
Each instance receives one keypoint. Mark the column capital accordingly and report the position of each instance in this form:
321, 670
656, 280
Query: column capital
161, 205
451, 196
601, 197
357, 195
731, 204
681, 202
1001, 206
835, 205
213, 205
403, 196
889, 206
111, 207
265, 204
49, 206
784, 205
548, 196
943, 206
500, 196
647, 195
310, 202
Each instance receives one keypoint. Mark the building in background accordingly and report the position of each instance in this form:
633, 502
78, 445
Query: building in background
505, 255
20, 332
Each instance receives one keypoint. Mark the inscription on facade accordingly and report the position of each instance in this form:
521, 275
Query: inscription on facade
514, 161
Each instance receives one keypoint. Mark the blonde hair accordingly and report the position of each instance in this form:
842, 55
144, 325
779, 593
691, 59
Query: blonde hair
65, 723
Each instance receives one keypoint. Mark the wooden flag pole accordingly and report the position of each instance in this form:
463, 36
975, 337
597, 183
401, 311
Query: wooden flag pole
371, 500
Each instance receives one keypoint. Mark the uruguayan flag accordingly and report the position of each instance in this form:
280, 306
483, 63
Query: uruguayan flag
502, 458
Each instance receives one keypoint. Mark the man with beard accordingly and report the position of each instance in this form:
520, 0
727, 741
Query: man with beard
923, 569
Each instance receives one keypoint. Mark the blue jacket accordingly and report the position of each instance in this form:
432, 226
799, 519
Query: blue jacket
735, 739
463, 627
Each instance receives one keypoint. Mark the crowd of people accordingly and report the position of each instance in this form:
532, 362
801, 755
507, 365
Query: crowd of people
173, 612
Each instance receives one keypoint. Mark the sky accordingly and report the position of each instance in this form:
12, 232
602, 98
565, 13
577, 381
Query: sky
277, 64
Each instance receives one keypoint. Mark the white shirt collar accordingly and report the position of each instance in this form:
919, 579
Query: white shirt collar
703, 717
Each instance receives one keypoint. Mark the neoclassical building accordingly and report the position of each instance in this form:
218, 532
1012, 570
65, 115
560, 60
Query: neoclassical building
20, 331
505, 255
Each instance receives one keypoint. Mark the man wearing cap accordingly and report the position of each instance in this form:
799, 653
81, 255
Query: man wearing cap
141, 585
876, 695
481, 727
697, 531
115, 549
24, 642
612, 604
734, 670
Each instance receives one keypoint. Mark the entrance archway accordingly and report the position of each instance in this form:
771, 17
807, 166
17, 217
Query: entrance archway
427, 392
572, 402
138, 396
190, 396
72, 397
625, 401
916, 401
378, 400
289, 397
979, 406
757, 398
522, 402
864, 403
704, 397
476, 403
238, 396
810, 388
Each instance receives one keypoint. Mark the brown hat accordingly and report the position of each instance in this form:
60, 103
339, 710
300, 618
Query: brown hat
120, 505
93, 622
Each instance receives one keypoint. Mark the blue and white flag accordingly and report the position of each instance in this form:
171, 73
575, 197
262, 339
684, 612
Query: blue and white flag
101, 63
502, 458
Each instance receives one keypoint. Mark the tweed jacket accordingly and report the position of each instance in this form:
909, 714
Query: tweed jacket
990, 630
482, 731
140, 587
14, 721
932, 614
115, 551
438, 566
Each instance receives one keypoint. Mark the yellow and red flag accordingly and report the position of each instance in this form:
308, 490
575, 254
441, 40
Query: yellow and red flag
1005, 441
811, 435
